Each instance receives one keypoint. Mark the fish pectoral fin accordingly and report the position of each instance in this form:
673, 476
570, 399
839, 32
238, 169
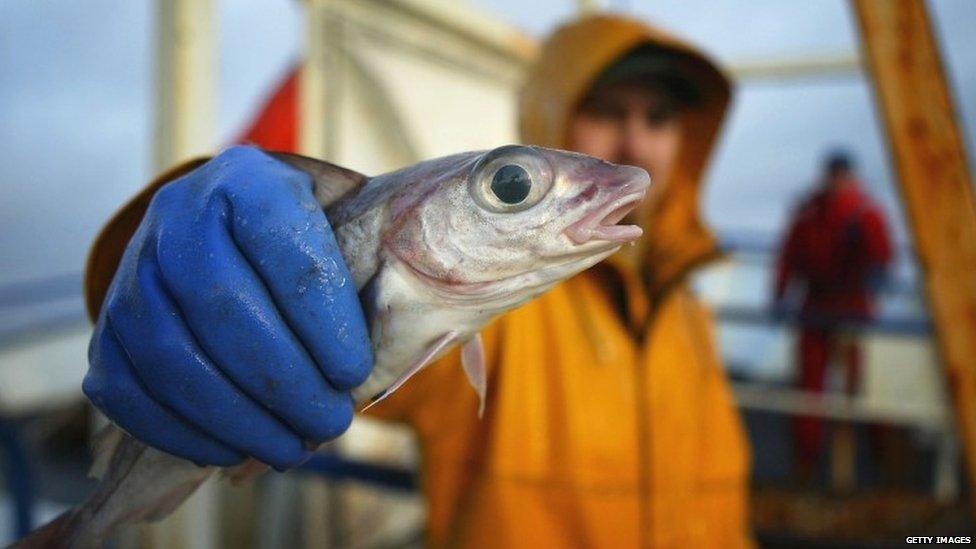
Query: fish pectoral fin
473, 362
429, 354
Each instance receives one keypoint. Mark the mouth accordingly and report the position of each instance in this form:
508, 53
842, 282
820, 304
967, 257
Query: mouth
601, 224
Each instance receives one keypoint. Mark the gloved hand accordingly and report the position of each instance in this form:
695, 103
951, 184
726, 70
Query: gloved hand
232, 328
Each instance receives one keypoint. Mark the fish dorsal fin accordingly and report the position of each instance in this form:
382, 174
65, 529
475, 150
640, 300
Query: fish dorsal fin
331, 182
429, 354
473, 362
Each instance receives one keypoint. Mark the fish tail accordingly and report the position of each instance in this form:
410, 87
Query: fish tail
138, 483
53, 535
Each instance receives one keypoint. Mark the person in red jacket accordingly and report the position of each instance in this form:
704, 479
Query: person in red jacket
830, 266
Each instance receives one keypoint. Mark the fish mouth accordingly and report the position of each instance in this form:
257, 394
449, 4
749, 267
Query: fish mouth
601, 224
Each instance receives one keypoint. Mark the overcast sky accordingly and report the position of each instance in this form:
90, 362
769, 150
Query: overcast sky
75, 92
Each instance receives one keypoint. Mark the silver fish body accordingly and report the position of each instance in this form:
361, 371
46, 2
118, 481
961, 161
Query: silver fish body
438, 253
437, 250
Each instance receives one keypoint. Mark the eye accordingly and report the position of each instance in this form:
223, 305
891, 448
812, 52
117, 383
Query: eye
511, 184
510, 179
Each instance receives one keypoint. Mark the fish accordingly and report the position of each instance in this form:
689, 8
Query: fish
436, 250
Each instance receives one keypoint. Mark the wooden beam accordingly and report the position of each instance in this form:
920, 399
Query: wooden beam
929, 154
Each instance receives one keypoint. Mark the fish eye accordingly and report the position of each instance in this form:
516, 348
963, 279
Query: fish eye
510, 179
511, 184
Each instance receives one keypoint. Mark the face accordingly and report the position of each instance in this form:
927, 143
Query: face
629, 123
839, 176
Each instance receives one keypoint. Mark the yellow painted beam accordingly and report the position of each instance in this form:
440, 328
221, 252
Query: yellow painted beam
929, 154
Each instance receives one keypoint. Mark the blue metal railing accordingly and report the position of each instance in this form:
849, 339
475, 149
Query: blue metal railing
335, 467
42, 290
904, 325
16, 464
18, 475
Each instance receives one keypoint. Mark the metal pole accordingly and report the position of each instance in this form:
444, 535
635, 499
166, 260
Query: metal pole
184, 94
184, 119
311, 88
587, 6
318, 112
15, 464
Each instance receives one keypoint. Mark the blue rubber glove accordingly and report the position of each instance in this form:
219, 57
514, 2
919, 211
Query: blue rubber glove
232, 328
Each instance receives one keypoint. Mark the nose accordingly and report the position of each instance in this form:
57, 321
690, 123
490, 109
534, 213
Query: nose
633, 139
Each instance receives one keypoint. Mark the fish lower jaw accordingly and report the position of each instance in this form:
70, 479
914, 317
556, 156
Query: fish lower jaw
601, 224
615, 233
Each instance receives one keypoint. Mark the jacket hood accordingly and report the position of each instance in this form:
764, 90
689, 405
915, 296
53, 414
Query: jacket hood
676, 239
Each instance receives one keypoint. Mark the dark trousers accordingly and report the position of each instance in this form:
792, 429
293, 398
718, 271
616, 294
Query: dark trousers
816, 348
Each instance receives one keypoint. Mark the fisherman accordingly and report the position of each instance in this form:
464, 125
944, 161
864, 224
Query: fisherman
609, 420
835, 254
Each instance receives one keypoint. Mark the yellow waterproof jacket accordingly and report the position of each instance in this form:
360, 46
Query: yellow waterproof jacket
602, 428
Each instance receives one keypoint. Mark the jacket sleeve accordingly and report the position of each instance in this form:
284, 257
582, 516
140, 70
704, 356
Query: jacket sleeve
878, 239
786, 262
106, 251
